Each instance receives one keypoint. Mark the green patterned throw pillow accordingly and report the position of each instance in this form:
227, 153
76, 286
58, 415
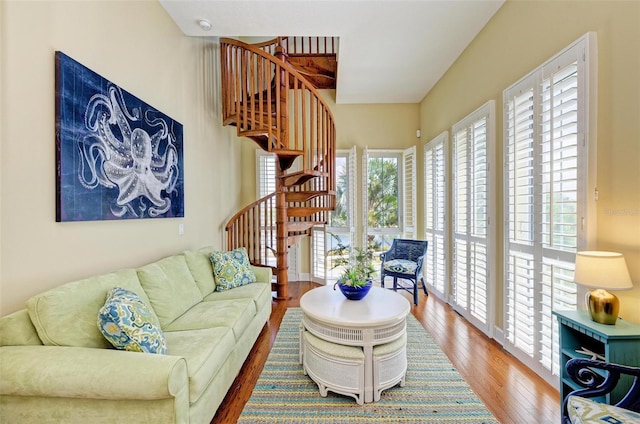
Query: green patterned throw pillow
231, 269
129, 324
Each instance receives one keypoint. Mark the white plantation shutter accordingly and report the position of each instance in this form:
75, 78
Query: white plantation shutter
409, 189
473, 258
460, 212
353, 172
266, 183
519, 253
545, 202
435, 186
318, 253
365, 195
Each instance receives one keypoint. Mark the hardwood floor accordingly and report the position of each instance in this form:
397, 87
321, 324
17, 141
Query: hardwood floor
512, 392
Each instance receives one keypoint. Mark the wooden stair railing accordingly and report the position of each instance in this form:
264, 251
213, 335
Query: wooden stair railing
300, 45
313, 57
270, 102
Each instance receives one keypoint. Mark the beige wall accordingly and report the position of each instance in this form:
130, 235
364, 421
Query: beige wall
521, 36
137, 46
377, 126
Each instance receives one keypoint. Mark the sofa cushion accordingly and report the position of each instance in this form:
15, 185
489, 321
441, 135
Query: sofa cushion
66, 315
16, 329
129, 324
170, 287
236, 314
199, 264
232, 269
205, 351
260, 293
583, 411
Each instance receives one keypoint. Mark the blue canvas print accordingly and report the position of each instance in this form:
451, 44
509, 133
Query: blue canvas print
117, 157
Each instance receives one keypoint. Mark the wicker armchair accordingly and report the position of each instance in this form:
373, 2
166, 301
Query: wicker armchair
598, 379
404, 260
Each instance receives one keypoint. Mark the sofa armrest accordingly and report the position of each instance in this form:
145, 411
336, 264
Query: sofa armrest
263, 273
77, 372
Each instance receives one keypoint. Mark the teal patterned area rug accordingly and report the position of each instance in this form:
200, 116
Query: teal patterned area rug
434, 391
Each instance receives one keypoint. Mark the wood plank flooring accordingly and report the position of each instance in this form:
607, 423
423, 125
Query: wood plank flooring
512, 392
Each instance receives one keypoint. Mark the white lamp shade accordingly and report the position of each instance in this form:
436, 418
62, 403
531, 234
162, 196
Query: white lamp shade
603, 270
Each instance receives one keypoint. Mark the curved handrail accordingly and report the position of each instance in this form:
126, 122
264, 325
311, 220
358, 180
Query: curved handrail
254, 227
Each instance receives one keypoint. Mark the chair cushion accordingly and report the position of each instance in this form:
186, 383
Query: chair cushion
232, 269
583, 411
400, 265
129, 324
333, 349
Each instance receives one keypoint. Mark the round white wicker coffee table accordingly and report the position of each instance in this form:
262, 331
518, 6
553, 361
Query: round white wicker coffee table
378, 319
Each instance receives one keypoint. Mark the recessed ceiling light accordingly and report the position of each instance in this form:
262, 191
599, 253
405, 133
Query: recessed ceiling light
204, 24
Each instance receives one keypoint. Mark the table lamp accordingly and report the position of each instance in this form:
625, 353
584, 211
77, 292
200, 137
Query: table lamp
602, 271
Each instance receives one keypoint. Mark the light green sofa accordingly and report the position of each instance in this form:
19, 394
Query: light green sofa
56, 367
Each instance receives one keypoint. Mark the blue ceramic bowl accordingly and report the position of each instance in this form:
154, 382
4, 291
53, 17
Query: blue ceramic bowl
355, 293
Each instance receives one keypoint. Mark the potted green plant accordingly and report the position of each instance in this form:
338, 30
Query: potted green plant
355, 280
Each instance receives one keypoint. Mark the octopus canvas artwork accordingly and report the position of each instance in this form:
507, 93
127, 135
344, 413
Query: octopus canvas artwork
117, 157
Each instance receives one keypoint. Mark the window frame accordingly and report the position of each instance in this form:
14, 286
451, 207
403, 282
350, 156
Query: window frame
543, 356
436, 224
466, 309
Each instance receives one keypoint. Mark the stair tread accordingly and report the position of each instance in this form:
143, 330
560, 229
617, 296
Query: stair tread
288, 152
301, 196
299, 178
311, 172
299, 226
317, 208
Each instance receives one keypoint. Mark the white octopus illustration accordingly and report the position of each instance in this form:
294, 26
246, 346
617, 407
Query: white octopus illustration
139, 165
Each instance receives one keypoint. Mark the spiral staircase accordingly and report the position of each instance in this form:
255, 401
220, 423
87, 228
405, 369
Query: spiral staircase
270, 94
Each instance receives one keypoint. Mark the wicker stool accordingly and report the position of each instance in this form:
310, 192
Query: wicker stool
334, 367
389, 365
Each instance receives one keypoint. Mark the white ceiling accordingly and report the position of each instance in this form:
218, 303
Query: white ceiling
391, 51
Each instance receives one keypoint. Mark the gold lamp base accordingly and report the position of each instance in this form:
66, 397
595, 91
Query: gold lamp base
603, 306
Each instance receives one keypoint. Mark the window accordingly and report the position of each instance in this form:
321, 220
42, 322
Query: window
436, 189
545, 191
473, 233
389, 199
266, 184
409, 193
341, 224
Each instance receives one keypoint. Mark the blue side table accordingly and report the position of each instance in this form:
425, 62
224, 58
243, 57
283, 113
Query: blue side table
619, 344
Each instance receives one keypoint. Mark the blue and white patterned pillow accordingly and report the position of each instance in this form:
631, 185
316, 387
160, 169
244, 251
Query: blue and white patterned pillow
232, 269
401, 265
128, 323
